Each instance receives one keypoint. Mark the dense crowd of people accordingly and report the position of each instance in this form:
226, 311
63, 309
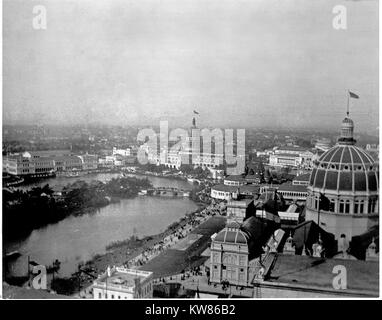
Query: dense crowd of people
175, 237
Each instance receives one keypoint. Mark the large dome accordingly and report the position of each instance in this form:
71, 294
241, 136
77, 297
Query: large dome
345, 168
343, 188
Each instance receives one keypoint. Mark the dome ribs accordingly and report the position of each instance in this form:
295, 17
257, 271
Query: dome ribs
364, 167
339, 169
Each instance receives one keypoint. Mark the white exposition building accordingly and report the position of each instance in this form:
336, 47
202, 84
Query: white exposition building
41, 163
348, 177
121, 283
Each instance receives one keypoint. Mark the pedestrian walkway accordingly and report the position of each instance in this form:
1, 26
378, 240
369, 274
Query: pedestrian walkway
172, 240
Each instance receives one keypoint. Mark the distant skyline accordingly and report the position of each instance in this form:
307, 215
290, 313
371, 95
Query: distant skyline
262, 63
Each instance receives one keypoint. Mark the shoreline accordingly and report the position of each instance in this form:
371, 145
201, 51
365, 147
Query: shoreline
140, 244
123, 251
139, 171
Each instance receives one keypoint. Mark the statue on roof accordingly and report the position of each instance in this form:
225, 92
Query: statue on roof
289, 247
371, 251
318, 248
343, 244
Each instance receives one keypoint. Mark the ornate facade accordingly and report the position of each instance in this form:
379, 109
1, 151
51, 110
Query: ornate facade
229, 256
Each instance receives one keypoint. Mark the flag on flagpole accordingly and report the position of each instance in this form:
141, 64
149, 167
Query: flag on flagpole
353, 95
196, 112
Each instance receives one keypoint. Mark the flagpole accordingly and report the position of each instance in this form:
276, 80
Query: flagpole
29, 282
318, 216
347, 113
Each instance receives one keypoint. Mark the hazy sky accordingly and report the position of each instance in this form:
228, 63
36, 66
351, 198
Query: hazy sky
239, 63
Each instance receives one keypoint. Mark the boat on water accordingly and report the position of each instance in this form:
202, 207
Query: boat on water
142, 192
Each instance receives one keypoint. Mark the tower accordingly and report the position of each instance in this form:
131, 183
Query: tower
193, 123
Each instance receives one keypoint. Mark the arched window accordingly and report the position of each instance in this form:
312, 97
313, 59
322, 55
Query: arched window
316, 202
342, 206
347, 206
374, 205
371, 206
361, 205
356, 206
332, 205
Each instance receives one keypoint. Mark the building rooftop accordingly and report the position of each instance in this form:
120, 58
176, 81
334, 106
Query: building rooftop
316, 272
244, 203
289, 155
231, 234
235, 178
291, 187
14, 292
302, 177
249, 188
225, 188
292, 148
308, 233
48, 153
251, 177
122, 278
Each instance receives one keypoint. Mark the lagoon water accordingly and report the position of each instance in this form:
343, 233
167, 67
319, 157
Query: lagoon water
76, 239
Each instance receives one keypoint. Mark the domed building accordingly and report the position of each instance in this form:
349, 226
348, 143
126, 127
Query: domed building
346, 178
234, 247
229, 255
